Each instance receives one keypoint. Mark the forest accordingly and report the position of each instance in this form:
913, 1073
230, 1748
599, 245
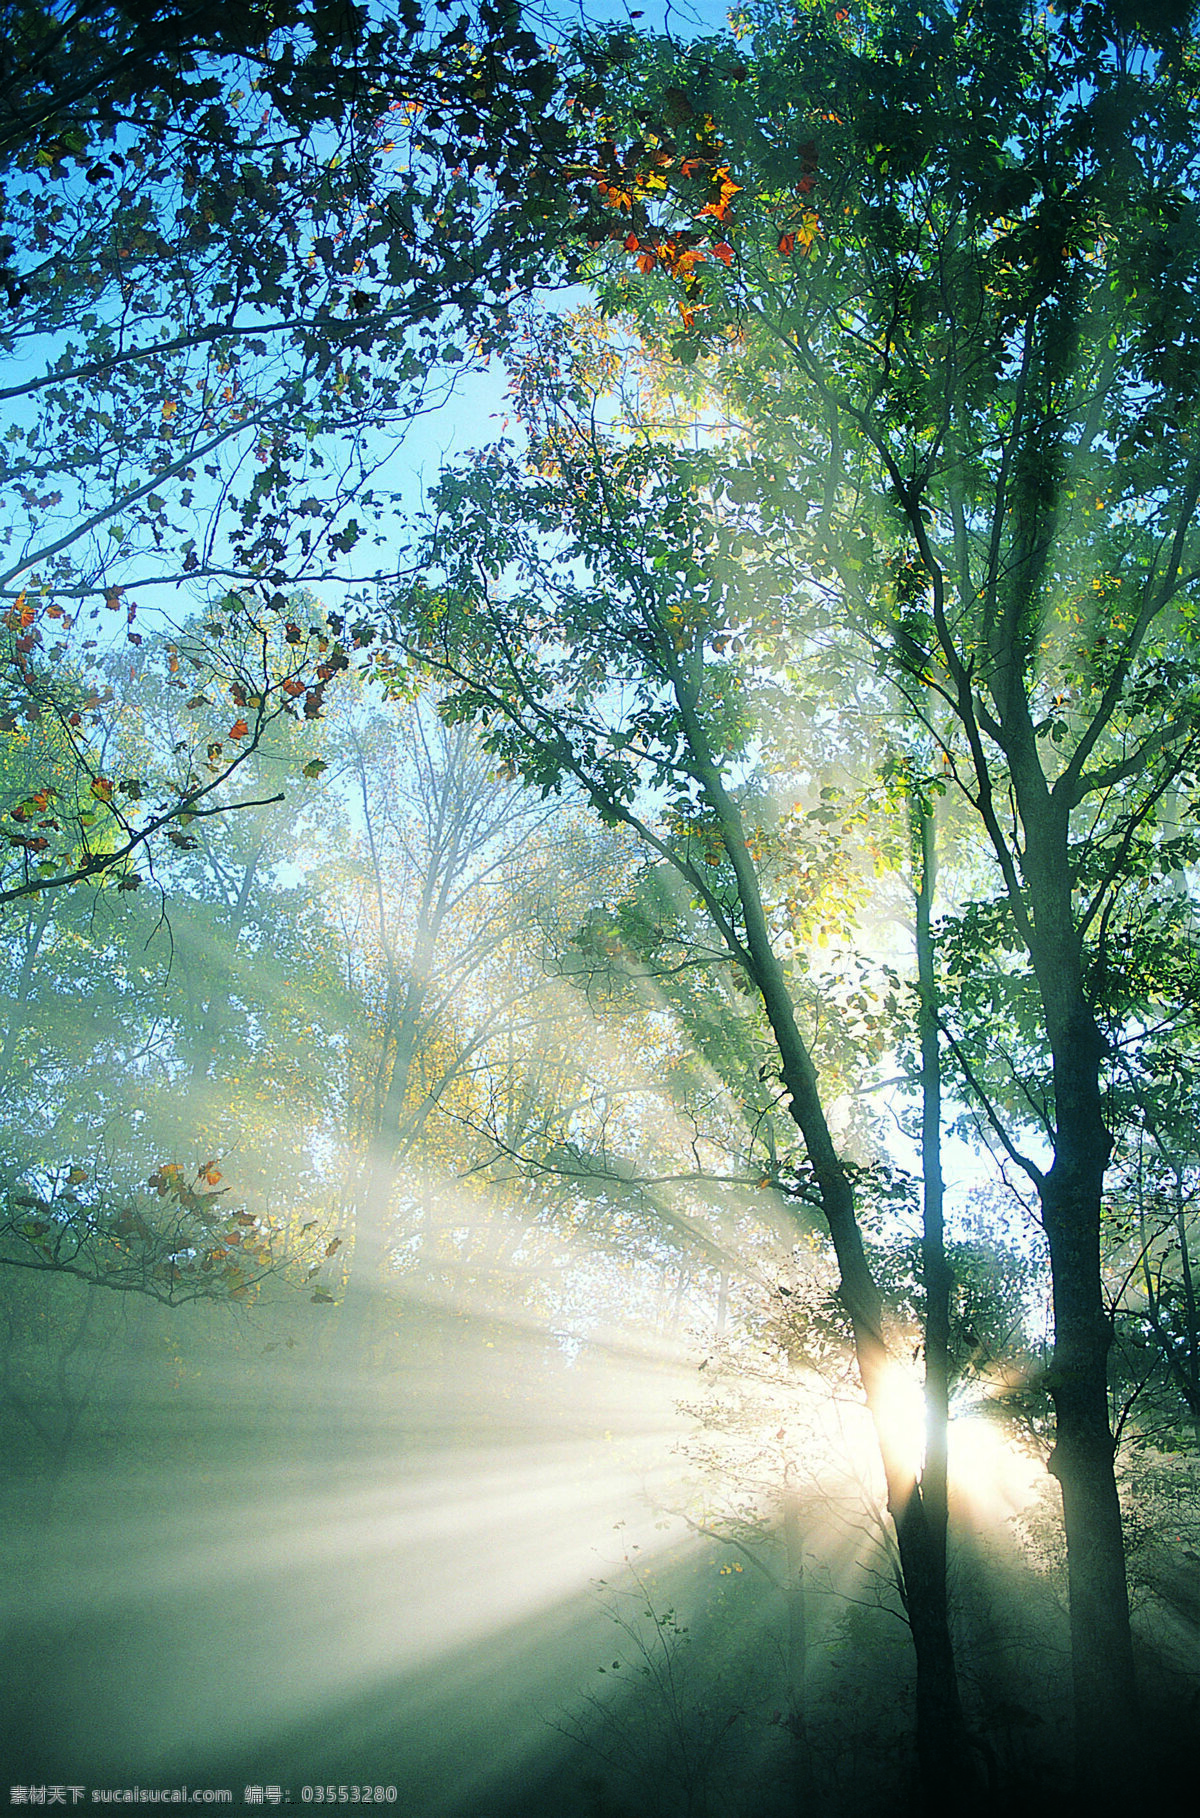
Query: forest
599, 880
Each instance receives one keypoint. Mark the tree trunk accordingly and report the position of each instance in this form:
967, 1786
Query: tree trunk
934, 1267
1102, 1672
1083, 1457
940, 1734
945, 1773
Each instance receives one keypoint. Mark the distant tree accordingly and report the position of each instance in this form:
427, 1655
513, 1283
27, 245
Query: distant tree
432, 929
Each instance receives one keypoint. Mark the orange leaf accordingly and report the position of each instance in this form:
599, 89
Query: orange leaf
102, 789
646, 261
719, 209
808, 230
293, 686
238, 730
680, 264
787, 243
631, 243
724, 252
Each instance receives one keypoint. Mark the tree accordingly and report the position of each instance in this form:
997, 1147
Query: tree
1149, 1229
245, 232
940, 263
100, 793
130, 1042
242, 248
439, 902
588, 616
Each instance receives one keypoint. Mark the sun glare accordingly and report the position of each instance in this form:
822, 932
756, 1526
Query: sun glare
991, 1477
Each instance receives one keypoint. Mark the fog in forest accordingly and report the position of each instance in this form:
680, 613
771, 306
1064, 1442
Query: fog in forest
599, 1015
574, 1506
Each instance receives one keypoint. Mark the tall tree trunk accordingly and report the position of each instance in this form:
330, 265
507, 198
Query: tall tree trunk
940, 1735
1071, 1193
1102, 1666
1182, 1361
1040, 878
934, 1267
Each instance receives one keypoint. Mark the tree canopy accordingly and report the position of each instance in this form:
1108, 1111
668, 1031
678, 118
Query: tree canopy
241, 249
661, 953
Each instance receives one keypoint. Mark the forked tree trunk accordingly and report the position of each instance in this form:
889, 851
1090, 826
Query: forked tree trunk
941, 1741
